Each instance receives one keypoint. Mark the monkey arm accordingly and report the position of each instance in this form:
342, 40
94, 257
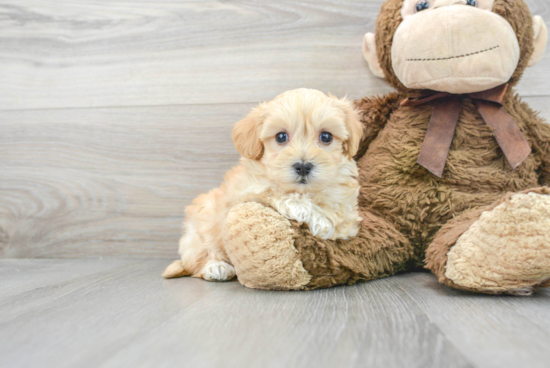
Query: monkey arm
374, 112
539, 134
270, 252
541, 146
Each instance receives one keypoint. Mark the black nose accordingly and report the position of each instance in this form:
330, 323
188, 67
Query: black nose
303, 168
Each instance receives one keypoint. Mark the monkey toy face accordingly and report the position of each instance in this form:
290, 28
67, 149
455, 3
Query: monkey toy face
460, 49
455, 46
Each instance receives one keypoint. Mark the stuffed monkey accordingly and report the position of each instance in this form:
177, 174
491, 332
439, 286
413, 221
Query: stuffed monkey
453, 167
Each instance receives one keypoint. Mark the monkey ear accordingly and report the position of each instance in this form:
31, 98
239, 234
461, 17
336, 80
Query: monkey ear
369, 52
246, 135
539, 40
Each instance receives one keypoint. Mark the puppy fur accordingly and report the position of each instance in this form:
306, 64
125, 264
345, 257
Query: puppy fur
325, 198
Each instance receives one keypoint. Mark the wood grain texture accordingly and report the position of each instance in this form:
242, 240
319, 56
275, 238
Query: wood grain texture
125, 314
111, 181
81, 179
476, 324
91, 53
23, 275
131, 317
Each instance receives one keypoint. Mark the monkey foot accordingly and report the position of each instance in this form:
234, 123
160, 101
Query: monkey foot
260, 244
507, 250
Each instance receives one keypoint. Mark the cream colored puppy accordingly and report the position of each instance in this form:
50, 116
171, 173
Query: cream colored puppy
297, 157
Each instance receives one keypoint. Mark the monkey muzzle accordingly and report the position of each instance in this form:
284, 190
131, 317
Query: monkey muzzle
456, 49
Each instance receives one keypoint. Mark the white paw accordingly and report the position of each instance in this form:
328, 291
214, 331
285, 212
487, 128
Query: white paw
320, 226
218, 271
295, 208
346, 231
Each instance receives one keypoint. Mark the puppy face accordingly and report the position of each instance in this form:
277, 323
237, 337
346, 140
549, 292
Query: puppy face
303, 138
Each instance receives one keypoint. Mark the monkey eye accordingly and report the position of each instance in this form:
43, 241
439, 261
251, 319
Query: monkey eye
471, 2
325, 137
423, 5
281, 138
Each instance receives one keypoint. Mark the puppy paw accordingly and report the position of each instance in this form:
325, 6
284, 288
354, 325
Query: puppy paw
346, 231
218, 271
320, 226
295, 208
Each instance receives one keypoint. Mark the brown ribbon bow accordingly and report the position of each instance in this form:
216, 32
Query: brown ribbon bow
441, 129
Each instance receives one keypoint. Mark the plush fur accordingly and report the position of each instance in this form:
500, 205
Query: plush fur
474, 250
252, 228
515, 12
454, 58
413, 219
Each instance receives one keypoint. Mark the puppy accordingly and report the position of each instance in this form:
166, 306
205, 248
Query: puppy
297, 157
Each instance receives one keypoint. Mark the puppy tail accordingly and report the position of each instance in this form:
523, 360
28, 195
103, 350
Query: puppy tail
175, 270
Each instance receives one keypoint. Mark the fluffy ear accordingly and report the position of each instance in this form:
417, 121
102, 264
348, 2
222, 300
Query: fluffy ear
540, 40
369, 52
246, 135
354, 128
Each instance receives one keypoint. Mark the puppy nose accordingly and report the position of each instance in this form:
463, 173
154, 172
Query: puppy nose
303, 168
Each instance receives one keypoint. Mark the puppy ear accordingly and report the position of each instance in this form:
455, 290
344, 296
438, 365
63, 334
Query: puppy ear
246, 135
354, 127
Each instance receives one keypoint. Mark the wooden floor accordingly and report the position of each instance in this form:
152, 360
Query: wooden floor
121, 313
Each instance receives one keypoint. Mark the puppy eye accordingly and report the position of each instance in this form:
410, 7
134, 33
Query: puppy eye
281, 137
423, 5
326, 137
471, 2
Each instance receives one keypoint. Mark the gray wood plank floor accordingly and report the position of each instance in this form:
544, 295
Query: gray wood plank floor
121, 313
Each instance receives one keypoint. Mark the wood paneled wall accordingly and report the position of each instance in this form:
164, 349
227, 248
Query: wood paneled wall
114, 115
